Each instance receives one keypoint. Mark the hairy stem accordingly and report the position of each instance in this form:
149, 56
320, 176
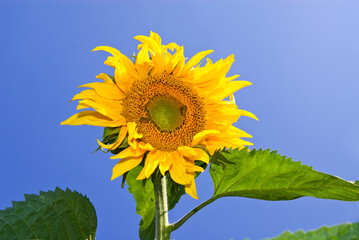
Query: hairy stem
161, 220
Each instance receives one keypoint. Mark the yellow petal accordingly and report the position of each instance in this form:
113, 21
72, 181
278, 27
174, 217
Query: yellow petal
172, 46
117, 59
151, 164
230, 135
193, 168
108, 111
196, 59
235, 132
154, 46
121, 137
201, 136
232, 98
178, 170
165, 164
152, 160
124, 62
123, 81
108, 107
211, 77
132, 130
86, 94
142, 56
111, 50
155, 37
105, 78
91, 104
177, 71
224, 112
125, 165
226, 90
249, 114
194, 154
110, 91
143, 69
93, 118
129, 152
229, 79
90, 94
133, 134
145, 146
111, 61
174, 60
191, 187
141, 175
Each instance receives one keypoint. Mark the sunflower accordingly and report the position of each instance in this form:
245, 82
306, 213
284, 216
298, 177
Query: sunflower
171, 112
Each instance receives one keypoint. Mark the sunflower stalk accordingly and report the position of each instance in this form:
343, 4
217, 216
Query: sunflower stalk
161, 219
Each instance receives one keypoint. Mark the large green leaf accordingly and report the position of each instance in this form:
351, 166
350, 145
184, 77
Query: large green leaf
143, 193
267, 175
344, 232
51, 215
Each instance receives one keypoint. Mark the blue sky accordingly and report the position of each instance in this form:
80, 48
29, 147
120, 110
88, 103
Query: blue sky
301, 56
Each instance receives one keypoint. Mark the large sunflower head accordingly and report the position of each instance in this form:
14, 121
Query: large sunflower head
167, 111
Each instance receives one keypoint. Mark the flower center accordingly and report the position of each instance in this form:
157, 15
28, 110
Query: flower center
167, 111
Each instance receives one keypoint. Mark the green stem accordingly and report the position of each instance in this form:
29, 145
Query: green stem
179, 223
161, 219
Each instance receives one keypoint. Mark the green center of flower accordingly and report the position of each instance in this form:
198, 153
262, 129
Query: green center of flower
166, 113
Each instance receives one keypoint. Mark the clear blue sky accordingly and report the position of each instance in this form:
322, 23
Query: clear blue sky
302, 57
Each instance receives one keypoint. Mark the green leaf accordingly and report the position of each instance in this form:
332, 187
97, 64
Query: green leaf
51, 215
143, 193
267, 175
343, 231
149, 232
